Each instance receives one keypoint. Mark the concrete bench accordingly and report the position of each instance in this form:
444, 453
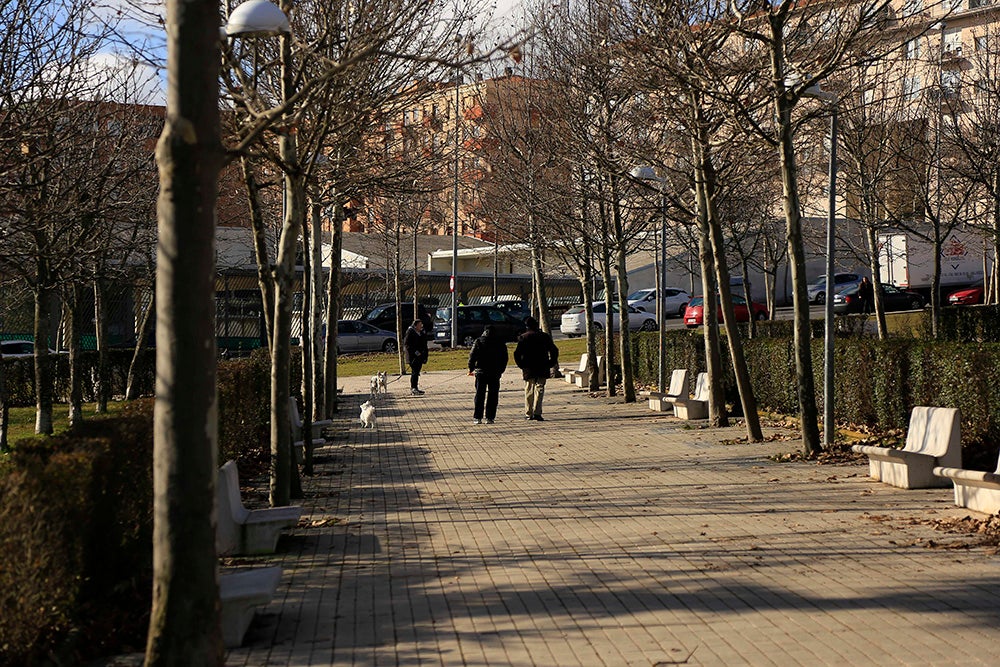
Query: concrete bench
298, 439
242, 531
240, 594
677, 390
695, 407
568, 371
932, 440
582, 379
975, 489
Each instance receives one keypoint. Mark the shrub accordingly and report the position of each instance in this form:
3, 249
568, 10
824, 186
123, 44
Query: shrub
76, 534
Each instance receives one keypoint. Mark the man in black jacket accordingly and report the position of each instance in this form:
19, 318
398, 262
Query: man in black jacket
415, 344
487, 361
536, 355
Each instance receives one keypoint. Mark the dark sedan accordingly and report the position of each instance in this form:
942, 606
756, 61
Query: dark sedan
472, 320
893, 298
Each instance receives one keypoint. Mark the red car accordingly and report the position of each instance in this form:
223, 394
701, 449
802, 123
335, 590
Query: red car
694, 314
966, 297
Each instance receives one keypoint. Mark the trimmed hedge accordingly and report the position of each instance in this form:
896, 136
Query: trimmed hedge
76, 524
19, 375
877, 383
76, 536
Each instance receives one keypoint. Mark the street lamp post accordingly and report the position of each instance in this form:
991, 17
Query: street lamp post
454, 220
828, 330
647, 173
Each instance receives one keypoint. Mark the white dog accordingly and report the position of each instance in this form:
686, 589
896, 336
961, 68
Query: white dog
374, 385
367, 415
383, 381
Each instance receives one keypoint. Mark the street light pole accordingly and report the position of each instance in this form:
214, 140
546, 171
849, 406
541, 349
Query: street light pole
454, 228
828, 330
828, 315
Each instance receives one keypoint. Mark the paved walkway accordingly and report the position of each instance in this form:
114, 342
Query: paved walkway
608, 535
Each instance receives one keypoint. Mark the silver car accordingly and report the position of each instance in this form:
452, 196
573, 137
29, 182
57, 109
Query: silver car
358, 336
574, 320
645, 299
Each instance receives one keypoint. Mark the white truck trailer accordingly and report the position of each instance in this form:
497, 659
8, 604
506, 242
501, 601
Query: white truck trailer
907, 261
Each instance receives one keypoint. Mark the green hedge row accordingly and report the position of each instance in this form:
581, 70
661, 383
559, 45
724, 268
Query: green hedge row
877, 383
76, 523
76, 538
19, 376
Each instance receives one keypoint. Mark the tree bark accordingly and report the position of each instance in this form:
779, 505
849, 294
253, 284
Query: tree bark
75, 319
132, 385
184, 627
260, 247
43, 368
332, 313
101, 319
705, 184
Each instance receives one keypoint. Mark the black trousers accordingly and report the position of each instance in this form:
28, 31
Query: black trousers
488, 395
415, 367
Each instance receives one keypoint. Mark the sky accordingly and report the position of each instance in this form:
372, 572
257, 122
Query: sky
139, 24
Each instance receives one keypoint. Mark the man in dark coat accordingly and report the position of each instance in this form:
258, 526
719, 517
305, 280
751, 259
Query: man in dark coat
866, 294
415, 344
536, 355
487, 361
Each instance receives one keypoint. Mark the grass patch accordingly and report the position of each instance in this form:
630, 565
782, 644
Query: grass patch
22, 420
445, 359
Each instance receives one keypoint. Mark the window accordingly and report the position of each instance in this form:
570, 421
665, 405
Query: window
913, 49
911, 88
953, 42
950, 82
982, 44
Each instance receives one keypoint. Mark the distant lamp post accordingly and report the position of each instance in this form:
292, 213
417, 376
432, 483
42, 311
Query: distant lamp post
647, 173
828, 97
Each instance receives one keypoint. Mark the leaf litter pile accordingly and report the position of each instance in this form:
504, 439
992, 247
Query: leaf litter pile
970, 532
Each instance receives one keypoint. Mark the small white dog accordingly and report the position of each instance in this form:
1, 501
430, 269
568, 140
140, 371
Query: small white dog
374, 385
367, 415
383, 381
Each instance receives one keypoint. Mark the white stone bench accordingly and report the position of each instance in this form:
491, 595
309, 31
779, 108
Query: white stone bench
975, 489
240, 594
298, 439
568, 371
678, 389
242, 531
582, 379
695, 407
933, 439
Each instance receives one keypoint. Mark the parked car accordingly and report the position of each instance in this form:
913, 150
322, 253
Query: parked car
967, 296
893, 298
514, 307
472, 320
383, 316
358, 336
694, 315
19, 349
817, 288
645, 299
574, 320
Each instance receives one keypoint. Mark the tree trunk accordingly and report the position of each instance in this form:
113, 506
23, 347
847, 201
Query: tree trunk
315, 409
875, 269
609, 339
101, 320
43, 368
625, 334
132, 385
306, 345
75, 319
808, 414
184, 626
332, 313
260, 247
705, 184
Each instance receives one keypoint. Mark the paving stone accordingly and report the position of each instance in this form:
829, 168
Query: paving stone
606, 535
